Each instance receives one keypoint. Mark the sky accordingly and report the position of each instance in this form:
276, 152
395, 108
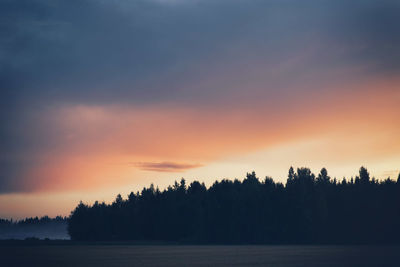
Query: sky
100, 97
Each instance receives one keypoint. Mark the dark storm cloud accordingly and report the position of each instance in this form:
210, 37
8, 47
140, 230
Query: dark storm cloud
142, 52
93, 51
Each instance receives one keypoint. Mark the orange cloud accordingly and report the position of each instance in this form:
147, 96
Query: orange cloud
96, 144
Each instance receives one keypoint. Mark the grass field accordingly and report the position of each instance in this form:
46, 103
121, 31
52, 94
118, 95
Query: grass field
174, 255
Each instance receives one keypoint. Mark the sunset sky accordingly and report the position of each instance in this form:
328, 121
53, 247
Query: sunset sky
100, 97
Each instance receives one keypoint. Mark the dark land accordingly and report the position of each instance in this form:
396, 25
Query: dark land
309, 221
68, 253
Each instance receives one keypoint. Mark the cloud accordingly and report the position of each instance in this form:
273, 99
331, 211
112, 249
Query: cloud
225, 63
144, 52
165, 166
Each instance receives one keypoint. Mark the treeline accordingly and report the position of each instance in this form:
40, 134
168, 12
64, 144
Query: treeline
308, 209
44, 227
31, 221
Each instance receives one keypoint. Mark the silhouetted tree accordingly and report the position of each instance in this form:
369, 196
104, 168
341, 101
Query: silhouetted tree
307, 209
364, 175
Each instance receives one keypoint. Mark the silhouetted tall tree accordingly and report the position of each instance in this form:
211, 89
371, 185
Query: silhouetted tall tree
307, 209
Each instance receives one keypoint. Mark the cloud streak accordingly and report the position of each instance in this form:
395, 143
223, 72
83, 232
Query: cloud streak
165, 166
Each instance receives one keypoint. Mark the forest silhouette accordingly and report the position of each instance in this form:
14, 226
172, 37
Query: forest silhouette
308, 209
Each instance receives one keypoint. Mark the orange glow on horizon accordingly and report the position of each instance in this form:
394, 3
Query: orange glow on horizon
99, 142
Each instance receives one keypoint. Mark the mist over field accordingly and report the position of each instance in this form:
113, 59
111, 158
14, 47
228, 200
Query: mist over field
34, 228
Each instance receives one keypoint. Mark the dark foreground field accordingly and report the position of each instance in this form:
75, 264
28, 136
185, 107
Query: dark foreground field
168, 255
